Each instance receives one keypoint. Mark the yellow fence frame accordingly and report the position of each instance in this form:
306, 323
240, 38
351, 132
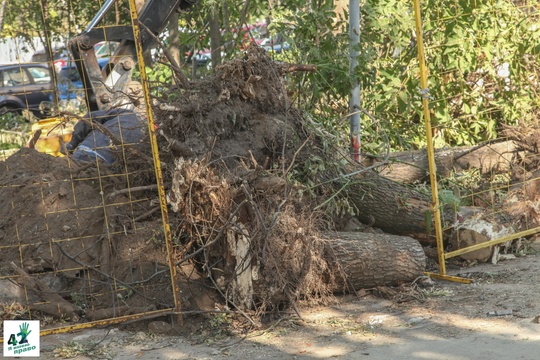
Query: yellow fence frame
177, 310
435, 205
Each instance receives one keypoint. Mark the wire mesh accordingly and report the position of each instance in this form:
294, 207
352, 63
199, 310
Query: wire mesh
483, 88
82, 237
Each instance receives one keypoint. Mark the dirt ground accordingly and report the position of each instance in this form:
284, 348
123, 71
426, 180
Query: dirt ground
446, 321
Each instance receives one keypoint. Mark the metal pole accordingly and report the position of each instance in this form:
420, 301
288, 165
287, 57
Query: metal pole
175, 283
354, 103
100, 15
435, 206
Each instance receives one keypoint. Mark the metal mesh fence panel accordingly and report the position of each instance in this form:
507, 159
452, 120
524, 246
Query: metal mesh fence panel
83, 221
482, 89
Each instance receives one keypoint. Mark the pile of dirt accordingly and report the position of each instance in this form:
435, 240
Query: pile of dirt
72, 228
241, 112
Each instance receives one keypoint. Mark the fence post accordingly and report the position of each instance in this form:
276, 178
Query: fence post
424, 91
354, 103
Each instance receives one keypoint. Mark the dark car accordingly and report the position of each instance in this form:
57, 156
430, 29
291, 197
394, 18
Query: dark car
24, 86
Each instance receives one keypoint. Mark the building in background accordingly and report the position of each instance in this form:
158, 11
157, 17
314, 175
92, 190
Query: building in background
15, 50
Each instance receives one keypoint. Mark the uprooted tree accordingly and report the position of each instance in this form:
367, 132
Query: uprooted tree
236, 157
253, 212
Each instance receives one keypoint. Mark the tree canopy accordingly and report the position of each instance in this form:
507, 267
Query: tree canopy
480, 55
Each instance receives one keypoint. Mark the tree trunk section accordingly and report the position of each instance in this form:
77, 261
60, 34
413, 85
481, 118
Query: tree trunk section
390, 206
370, 260
174, 39
215, 38
412, 166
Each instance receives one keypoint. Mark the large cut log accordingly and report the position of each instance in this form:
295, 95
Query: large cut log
391, 206
370, 260
358, 260
412, 166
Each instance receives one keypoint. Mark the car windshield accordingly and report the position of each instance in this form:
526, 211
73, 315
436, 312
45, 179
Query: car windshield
40, 75
105, 49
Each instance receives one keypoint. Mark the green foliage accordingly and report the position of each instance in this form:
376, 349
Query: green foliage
316, 38
479, 57
14, 122
59, 20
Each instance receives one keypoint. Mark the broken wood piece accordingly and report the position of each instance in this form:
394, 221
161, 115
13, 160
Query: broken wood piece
175, 146
476, 230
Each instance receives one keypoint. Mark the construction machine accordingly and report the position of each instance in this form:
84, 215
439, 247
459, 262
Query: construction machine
104, 87
109, 87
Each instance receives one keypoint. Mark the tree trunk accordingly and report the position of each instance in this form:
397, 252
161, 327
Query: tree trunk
366, 259
370, 260
390, 206
215, 37
2, 9
411, 166
174, 38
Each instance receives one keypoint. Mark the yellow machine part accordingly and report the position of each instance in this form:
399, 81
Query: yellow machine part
55, 132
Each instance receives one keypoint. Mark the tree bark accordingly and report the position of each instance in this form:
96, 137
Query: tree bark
370, 260
411, 166
2, 9
215, 37
174, 39
390, 206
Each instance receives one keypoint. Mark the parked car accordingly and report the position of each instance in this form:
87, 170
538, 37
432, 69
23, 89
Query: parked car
105, 49
101, 49
24, 86
201, 57
275, 45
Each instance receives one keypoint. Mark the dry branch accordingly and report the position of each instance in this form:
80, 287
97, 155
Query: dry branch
184, 82
110, 313
55, 305
287, 68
